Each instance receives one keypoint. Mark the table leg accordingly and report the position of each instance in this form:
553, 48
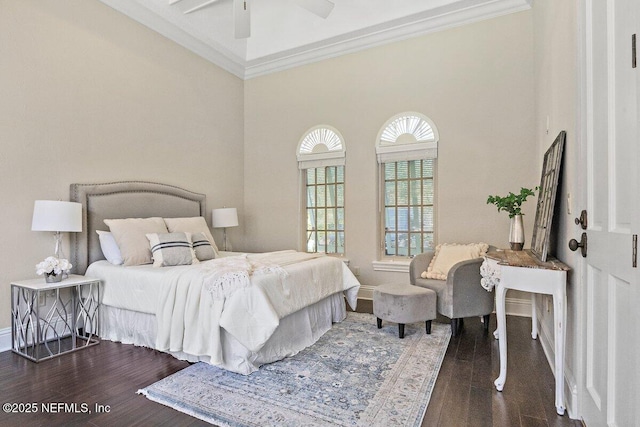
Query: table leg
559, 320
534, 317
502, 333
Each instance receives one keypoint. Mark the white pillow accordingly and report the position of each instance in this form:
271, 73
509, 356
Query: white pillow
193, 225
449, 254
130, 235
109, 247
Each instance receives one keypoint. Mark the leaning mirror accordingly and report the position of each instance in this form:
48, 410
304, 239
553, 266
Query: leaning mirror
547, 197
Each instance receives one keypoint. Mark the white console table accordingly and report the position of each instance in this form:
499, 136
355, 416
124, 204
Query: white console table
522, 271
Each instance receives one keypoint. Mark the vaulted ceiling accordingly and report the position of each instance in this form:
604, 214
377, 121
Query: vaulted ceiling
285, 35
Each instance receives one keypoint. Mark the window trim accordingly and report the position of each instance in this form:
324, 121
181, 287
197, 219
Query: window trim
402, 150
393, 265
396, 259
337, 207
333, 155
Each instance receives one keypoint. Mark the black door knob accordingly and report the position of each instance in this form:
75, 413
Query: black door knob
582, 244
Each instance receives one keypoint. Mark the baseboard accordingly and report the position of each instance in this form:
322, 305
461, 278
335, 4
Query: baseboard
518, 307
513, 306
5, 339
366, 292
5, 334
570, 384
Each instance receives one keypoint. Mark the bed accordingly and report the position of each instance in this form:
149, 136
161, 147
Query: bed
237, 311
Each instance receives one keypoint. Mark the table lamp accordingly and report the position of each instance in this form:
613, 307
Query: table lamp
59, 217
224, 218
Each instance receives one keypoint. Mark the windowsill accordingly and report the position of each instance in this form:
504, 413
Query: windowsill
399, 266
341, 257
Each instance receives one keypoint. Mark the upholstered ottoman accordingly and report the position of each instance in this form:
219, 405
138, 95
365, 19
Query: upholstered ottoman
404, 303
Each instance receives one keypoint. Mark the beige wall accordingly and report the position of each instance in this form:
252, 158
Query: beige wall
88, 95
557, 97
475, 82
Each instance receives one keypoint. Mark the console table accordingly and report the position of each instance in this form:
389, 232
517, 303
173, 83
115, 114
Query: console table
523, 271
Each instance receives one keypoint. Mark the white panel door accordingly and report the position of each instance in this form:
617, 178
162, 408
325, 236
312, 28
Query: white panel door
611, 305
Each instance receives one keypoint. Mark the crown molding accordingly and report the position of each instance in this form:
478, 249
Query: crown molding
213, 53
438, 19
389, 32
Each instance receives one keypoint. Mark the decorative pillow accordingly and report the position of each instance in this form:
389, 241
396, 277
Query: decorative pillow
109, 247
449, 254
130, 235
196, 224
201, 246
169, 249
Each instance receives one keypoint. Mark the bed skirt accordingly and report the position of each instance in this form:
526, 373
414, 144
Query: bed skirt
294, 333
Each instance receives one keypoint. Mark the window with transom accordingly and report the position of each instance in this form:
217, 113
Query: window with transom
321, 158
406, 149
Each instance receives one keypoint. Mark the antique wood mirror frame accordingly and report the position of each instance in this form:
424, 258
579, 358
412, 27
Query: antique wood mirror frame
547, 197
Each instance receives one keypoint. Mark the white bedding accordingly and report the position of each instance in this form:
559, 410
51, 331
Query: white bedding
190, 312
295, 332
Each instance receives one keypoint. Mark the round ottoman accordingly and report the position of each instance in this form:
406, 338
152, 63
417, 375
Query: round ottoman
404, 303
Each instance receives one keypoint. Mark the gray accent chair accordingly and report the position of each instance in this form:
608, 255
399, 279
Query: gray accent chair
461, 295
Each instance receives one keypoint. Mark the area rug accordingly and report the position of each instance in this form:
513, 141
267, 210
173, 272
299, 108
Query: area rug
355, 375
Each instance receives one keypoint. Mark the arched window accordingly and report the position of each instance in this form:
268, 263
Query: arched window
407, 136
407, 148
321, 157
321, 146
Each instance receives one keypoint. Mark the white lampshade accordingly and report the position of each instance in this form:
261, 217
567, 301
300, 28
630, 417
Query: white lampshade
224, 217
54, 215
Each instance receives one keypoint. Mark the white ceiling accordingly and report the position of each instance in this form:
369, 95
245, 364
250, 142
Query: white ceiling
284, 35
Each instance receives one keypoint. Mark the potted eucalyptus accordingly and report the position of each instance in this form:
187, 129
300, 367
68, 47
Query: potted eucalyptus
512, 204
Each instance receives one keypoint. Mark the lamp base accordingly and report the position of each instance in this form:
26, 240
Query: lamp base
226, 246
57, 236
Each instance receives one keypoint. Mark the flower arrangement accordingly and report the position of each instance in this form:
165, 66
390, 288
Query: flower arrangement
512, 203
52, 266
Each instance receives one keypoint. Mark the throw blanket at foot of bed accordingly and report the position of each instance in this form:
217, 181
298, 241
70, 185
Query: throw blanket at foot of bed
246, 295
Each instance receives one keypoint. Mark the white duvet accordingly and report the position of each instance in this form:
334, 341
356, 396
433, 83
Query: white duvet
247, 295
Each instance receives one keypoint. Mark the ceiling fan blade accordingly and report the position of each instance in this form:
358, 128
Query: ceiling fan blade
241, 19
322, 8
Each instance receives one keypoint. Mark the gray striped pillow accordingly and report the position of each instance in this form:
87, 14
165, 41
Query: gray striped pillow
169, 249
202, 247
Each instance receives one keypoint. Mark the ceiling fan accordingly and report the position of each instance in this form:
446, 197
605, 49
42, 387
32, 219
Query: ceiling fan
242, 17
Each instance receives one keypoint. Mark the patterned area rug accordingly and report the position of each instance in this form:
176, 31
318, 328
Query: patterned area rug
355, 375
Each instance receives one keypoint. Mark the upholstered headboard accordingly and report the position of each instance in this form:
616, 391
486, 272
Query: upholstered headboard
127, 199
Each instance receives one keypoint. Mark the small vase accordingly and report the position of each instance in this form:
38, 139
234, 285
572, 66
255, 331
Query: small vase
52, 278
516, 233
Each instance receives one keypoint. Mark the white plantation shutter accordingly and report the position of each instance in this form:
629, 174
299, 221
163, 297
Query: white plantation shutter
407, 136
321, 146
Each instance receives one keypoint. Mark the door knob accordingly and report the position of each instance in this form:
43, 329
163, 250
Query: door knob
582, 244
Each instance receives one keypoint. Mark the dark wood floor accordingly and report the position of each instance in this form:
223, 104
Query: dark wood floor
464, 394
109, 375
